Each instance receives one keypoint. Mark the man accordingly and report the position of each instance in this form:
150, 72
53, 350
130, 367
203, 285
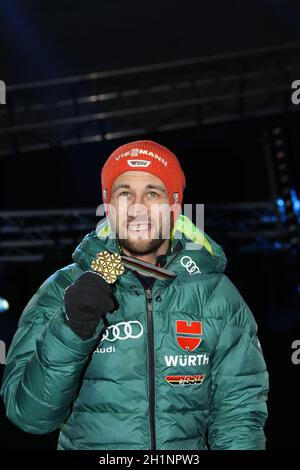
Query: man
164, 357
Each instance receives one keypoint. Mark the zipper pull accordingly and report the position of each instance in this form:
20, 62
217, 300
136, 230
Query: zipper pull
148, 294
149, 297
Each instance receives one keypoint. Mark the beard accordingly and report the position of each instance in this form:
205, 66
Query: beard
144, 245
141, 246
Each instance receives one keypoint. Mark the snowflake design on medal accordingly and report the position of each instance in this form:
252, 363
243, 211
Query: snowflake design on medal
109, 265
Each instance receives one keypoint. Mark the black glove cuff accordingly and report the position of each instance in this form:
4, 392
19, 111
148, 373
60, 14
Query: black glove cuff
84, 330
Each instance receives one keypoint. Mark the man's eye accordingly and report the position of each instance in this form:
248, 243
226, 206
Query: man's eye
153, 194
123, 193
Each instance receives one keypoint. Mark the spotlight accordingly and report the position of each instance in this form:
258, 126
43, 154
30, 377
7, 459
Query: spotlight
4, 305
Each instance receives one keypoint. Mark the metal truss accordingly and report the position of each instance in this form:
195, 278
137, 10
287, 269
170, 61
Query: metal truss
30, 236
151, 98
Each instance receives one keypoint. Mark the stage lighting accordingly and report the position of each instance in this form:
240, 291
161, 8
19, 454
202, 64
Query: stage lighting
4, 305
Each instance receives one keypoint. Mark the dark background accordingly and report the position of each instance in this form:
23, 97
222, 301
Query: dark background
50, 39
223, 163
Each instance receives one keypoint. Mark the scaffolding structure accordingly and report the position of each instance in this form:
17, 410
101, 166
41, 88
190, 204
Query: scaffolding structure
151, 98
28, 236
147, 99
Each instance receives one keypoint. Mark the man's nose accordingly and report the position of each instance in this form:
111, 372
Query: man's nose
138, 209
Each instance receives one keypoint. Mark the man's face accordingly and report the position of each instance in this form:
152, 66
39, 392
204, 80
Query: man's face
141, 217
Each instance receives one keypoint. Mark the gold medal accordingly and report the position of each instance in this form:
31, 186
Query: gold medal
109, 265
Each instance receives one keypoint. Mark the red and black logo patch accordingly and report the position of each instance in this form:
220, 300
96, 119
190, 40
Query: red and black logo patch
185, 379
188, 335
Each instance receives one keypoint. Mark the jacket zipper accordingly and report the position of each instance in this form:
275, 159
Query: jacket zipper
151, 367
150, 345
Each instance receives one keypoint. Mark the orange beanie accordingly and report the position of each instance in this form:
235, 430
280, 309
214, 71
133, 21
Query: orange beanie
144, 155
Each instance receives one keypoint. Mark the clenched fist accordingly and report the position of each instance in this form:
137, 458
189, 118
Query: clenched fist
86, 301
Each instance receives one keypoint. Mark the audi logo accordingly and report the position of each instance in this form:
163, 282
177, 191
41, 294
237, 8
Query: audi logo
190, 265
123, 330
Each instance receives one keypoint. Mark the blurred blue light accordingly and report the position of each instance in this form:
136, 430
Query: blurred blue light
4, 305
268, 219
280, 202
281, 208
295, 200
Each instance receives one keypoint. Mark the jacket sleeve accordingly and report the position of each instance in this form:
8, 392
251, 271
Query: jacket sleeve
240, 381
45, 361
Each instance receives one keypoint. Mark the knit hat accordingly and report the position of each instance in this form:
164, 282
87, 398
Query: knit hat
149, 156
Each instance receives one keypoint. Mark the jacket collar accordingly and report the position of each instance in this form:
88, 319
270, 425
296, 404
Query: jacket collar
186, 240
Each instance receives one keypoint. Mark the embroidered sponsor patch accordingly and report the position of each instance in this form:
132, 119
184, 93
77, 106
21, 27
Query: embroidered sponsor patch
188, 335
190, 265
185, 379
143, 163
187, 360
136, 152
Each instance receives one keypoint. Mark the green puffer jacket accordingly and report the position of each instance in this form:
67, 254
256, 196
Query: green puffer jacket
178, 368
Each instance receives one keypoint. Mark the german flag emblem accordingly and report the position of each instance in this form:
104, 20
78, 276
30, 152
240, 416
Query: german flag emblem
185, 379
